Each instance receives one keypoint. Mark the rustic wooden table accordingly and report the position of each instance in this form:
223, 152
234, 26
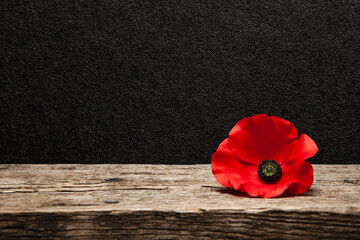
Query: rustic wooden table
169, 202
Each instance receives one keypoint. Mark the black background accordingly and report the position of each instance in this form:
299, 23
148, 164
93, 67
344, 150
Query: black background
164, 82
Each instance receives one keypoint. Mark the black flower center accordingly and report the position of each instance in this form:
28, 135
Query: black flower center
269, 171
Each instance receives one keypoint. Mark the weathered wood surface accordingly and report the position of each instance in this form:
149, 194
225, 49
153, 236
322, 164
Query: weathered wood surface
169, 202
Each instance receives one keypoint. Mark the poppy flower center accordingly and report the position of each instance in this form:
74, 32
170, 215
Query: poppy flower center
269, 171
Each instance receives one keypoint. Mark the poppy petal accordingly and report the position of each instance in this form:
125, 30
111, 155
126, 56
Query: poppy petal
261, 137
305, 148
227, 168
305, 178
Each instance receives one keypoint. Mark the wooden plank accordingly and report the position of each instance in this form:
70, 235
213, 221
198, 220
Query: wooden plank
169, 202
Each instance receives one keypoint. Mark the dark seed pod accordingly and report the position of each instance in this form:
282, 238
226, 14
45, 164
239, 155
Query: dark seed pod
269, 171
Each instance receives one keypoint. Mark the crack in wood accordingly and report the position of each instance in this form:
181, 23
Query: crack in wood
355, 182
113, 180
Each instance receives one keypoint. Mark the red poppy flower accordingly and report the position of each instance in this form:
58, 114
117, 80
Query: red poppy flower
263, 157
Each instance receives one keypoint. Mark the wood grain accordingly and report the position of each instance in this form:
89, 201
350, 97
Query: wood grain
169, 202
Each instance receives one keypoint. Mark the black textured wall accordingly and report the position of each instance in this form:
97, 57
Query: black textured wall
164, 82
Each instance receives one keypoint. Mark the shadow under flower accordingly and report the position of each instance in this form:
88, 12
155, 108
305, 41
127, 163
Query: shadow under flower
234, 192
